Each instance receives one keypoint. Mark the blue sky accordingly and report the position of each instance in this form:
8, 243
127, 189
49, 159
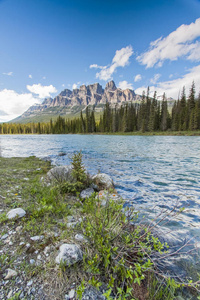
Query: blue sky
46, 46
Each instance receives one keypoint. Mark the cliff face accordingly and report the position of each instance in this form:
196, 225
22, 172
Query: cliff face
92, 94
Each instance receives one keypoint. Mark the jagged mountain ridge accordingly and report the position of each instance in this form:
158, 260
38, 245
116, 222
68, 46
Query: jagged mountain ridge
92, 94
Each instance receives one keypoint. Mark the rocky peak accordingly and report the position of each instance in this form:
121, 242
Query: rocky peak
95, 88
110, 86
66, 93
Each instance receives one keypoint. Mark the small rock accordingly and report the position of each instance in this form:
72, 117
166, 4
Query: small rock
61, 153
61, 174
9, 294
70, 219
10, 243
86, 193
39, 257
71, 294
28, 245
32, 261
37, 238
103, 181
11, 273
30, 283
22, 243
18, 228
21, 295
69, 254
80, 238
16, 213
4, 236
71, 224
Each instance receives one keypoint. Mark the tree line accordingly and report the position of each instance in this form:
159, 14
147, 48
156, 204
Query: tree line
147, 116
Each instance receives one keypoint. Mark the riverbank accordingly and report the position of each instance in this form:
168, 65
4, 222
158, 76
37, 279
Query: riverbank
30, 245
134, 133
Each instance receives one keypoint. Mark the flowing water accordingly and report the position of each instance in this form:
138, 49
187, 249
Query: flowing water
153, 173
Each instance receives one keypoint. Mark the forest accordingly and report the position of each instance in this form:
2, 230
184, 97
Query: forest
147, 116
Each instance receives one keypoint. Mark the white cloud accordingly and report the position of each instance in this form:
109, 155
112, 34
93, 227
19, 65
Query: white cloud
30, 76
137, 78
121, 59
14, 104
8, 74
95, 66
155, 78
172, 88
125, 85
177, 44
74, 86
42, 91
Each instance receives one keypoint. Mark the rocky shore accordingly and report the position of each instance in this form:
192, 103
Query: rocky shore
62, 239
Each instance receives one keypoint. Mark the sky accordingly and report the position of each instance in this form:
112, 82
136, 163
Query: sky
50, 45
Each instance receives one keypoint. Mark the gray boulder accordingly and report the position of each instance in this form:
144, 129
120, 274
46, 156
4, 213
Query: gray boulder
61, 174
16, 213
86, 193
103, 180
69, 254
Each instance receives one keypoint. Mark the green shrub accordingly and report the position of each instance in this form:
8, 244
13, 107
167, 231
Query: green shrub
118, 252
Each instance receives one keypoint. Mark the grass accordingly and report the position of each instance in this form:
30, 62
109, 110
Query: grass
117, 254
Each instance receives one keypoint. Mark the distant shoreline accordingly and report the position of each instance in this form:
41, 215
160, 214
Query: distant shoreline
135, 133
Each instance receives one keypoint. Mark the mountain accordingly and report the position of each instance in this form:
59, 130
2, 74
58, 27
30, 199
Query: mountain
70, 103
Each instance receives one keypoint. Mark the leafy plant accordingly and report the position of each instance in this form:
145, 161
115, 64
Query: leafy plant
118, 252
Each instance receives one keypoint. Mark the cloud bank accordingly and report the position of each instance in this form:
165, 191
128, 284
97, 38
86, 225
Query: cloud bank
42, 91
173, 88
13, 104
180, 43
125, 85
121, 59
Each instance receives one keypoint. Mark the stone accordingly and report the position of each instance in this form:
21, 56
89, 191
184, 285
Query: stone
86, 193
69, 254
61, 153
70, 219
30, 283
71, 294
37, 238
91, 293
32, 261
80, 238
71, 224
61, 174
10, 274
16, 213
4, 236
103, 180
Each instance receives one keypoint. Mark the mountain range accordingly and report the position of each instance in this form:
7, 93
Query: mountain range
69, 103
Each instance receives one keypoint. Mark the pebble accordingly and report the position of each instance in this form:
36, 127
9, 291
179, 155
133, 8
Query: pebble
30, 283
4, 236
9, 294
71, 294
37, 238
71, 224
11, 273
32, 261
